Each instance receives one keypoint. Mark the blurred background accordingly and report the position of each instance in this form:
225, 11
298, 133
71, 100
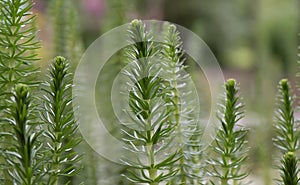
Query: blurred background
255, 42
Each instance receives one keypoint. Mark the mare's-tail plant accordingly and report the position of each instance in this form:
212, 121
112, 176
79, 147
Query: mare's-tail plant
289, 169
18, 44
183, 115
61, 125
287, 135
18, 47
149, 133
67, 42
229, 145
24, 155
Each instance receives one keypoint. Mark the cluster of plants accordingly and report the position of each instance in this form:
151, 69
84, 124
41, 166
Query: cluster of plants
39, 134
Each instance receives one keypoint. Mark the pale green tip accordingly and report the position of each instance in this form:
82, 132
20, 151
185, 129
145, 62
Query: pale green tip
21, 89
172, 28
136, 22
284, 83
231, 82
290, 155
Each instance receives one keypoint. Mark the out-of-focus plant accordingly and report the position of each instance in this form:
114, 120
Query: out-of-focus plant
183, 108
229, 145
66, 30
61, 126
287, 135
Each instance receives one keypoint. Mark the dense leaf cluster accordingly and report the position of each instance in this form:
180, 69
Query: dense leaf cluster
287, 135
229, 144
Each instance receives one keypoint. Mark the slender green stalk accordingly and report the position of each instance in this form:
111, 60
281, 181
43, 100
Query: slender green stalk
287, 135
24, 154
183, 107
149, 115
66, 30
61, 126
17, 43
172, 55
18, 47
229, 144
60, 11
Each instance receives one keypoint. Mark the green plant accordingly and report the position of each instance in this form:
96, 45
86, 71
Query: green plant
287, 135
18, 46
289, 169
150, 131
229, 145
163, 135
24, 154
183, 108
61, 126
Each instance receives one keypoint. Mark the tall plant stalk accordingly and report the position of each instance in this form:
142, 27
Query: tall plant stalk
18, 56
184, 108
61, 126
229, 144
150, 131
24, 155
287, 135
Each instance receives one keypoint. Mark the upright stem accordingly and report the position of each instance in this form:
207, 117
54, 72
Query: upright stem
151, 159
177, 123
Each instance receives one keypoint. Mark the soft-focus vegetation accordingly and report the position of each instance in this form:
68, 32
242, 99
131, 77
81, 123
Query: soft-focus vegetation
255, 42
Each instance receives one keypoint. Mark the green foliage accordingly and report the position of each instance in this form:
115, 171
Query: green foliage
66, 30
287, 132
61, 127
287, 135
18, 44
162, 136
229, 144
24, 153
183, 108
150, 131
18, 56
289, 169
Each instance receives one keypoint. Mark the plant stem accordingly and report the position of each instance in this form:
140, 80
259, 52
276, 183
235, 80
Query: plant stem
178, 125
151, 160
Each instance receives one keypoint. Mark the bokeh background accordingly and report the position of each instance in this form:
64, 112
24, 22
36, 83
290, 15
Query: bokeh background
255, 42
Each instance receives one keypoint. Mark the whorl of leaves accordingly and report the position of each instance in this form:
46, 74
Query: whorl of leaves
289, 170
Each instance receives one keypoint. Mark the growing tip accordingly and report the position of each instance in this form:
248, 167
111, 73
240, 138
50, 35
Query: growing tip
172, 28
284, 83
59, 62
290, 155
136, 22
231, 82
21, 89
